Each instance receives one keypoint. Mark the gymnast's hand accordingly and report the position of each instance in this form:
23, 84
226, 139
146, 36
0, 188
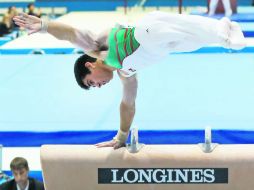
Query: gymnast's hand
113, 143
31, 23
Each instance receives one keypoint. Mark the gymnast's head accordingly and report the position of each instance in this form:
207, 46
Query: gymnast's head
91, 72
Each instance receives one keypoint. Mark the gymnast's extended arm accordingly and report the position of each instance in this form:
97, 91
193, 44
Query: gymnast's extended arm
127, 112
82, 38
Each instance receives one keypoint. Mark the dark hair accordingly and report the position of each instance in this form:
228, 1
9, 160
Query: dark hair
29, 5
9, 9
80, 70
19, 163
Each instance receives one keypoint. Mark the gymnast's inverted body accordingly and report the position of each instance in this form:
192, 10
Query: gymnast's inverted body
128, 49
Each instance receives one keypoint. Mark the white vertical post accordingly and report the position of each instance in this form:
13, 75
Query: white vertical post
208, 146
208, 135
134, 145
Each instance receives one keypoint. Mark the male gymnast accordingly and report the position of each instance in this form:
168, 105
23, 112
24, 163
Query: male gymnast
128, 49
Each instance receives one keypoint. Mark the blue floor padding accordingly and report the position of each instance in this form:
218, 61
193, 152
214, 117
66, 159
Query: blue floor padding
39, 93
239, 17
249, 33
4, 40
211, 49
33, 139
29, 50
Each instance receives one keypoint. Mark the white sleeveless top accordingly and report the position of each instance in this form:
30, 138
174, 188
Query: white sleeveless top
138, 60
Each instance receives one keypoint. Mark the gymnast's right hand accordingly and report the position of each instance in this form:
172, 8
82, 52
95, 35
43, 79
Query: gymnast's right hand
117, 142
31, 23
113, 143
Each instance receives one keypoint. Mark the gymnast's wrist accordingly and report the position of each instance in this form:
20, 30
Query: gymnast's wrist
44, 26
121, 136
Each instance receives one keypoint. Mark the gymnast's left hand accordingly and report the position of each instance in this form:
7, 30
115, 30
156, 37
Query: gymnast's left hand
29, 22
113, 143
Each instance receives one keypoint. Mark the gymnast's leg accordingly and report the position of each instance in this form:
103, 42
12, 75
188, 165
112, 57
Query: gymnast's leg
159, 31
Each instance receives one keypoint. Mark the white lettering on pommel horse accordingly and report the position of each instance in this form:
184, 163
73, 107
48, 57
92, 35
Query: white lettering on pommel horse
162, 175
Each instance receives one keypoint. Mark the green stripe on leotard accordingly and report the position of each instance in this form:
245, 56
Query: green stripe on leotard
122, 43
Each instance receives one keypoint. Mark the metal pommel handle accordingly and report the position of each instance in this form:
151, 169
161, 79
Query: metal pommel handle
134, 146
208, 146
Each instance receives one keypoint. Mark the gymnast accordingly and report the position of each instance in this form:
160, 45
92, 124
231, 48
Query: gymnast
128, 49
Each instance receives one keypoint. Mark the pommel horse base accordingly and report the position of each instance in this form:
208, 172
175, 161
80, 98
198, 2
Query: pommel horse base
156, 167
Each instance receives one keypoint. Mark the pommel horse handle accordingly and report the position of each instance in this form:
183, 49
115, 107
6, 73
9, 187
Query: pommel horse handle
208, 146
134, 145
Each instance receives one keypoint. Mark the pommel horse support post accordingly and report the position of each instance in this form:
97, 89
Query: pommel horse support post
154, 167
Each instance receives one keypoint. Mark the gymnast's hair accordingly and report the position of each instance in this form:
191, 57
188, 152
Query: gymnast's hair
80, 70
19, 163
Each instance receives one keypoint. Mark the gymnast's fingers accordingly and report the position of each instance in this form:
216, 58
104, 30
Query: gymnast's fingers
106, 144
20, 24
17, 19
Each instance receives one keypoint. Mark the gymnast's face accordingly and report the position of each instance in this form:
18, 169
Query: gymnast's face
98, 77
21, 176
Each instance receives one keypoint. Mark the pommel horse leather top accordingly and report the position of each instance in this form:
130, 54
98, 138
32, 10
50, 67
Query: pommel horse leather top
157, 167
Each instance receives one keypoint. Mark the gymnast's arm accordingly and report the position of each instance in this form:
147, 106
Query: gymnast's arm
82, 38
127, 112
127, 106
